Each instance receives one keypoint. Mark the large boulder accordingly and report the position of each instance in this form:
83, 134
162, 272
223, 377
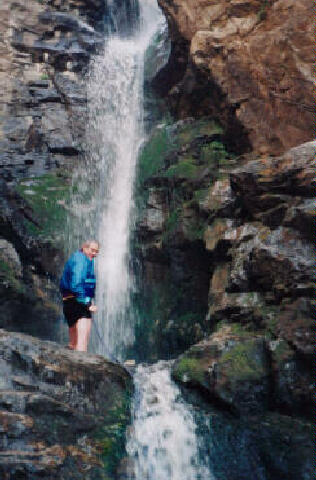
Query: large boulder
232, 368
247, 373
62, 414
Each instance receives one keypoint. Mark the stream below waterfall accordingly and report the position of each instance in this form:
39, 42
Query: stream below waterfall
163, 441
173, 438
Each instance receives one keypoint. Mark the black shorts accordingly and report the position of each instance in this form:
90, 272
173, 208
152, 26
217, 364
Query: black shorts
73, 310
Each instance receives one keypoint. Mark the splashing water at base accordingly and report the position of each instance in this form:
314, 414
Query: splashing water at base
105, 190
163, 441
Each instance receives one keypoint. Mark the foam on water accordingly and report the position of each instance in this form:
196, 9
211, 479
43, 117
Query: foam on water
163, 442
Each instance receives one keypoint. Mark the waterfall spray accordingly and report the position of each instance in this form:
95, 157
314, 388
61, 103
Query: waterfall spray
104, 198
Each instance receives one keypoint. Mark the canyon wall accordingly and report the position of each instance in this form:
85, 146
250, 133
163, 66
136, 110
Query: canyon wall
226, 199
249, 62
62, 414
45, 50
225, 196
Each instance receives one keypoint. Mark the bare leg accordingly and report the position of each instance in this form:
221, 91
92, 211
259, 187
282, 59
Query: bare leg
83, 332
73, 337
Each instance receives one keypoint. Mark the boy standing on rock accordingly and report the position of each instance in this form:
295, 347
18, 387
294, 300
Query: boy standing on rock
77, 286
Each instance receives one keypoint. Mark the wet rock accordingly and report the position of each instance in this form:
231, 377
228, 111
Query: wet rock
248, 223
54, 408
45, 51
9, 255
284, 444
38, 44
295, 325
302, 217
155, 215
244, 308
15, 212
230, 368
290, 174
126, 470
247, 62
65, 21
219, 200
293, 383
216, 233
280, 251
247, 373
267, 446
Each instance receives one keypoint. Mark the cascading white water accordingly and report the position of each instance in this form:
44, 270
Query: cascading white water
105, 187
163, 441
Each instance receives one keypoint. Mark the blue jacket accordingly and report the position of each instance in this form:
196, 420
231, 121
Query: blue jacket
78, 277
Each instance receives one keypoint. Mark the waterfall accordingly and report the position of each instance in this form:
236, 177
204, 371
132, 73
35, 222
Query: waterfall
163, 443
104, 196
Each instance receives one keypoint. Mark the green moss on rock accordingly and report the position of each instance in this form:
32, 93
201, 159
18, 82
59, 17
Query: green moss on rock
171, 224
170, 141
188, 370
185, 170
152, 156
213, 153
241, 331
197, 129
282, 352
10, 280
242, 362
48, 196
111, 436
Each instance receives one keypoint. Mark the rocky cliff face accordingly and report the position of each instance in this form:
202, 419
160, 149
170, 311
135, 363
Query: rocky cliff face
224, 239
248, 62
226, 248
63, 413
226, 214
226, 245
45, 50
225, 236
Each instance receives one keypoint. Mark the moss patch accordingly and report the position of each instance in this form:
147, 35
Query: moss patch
171, 224
270, 316
198, 129
185, 170
235, 329
262, 13
169, 150
188, 370
242, 363
9, 279
111, 437
213, 153
195, 231
48, 196
282, 352
152, 156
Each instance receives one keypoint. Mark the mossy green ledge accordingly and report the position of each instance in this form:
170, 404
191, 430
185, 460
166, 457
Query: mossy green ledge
230, 367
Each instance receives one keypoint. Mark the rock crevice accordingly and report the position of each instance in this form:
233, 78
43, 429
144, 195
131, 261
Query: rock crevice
258, 55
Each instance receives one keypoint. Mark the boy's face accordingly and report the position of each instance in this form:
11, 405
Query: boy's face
91, 250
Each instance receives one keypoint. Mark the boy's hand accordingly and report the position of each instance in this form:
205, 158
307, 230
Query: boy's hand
93, 308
